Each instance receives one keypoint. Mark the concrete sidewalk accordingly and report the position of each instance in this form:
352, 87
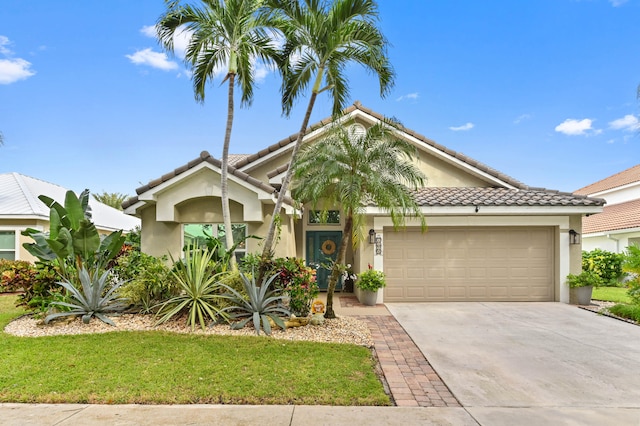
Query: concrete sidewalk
264, 415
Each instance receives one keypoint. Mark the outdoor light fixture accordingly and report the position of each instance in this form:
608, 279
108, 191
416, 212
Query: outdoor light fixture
372, 236
375, 239
574, 237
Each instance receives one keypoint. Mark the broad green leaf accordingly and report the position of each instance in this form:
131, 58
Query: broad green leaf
75, 213
86, 239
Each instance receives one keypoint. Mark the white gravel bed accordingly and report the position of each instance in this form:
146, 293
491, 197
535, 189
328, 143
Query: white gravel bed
339, 330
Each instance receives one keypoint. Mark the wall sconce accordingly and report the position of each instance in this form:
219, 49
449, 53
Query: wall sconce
574, 237
372, 236
375, 239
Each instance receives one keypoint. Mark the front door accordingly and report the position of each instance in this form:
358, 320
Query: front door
322, 248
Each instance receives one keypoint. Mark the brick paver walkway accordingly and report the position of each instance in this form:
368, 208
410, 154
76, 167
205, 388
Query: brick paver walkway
411, 379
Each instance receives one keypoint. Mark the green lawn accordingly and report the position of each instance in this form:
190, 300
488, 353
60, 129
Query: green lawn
611, 294
165, 368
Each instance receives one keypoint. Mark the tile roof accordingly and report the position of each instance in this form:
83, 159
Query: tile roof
235, 158
474, 196
19, 198
614, 217
204, 157
625, 177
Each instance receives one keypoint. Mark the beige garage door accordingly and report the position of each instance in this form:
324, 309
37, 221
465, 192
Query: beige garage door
469, 264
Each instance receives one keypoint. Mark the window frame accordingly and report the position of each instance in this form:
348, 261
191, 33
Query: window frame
316, 213
16, 244
241, 250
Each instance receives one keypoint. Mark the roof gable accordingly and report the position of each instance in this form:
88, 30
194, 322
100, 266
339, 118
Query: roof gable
358, 111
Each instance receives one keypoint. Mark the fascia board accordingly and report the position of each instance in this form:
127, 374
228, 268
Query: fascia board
497, 210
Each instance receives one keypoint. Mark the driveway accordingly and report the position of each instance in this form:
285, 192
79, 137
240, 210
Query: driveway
530, 363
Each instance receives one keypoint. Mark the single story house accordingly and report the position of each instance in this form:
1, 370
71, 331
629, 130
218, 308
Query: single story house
489, 238
20, 209
618, 226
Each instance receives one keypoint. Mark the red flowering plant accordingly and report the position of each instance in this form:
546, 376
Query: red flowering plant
299, 281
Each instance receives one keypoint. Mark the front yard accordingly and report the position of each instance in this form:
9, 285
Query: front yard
166, 368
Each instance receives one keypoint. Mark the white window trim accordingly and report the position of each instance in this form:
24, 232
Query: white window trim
16, 244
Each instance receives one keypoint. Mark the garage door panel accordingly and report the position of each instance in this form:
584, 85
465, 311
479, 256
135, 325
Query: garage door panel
480, 264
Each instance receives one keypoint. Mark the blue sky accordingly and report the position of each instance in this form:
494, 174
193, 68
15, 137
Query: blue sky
542, 90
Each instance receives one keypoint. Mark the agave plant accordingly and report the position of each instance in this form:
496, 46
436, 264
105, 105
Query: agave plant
97, 298
199, 290
259, 305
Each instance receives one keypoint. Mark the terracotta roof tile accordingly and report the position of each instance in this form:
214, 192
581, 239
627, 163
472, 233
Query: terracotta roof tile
614, 217
473, 196
625, 177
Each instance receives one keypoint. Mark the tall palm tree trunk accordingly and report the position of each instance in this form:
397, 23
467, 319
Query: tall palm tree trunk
268, 242
340, 259
224, 187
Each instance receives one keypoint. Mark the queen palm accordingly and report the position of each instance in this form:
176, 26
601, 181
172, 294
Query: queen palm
321, 38
224, 33
353, 170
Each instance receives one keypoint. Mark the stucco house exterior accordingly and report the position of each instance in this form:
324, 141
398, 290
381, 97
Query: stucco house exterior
618, 226
20, 209
489, 238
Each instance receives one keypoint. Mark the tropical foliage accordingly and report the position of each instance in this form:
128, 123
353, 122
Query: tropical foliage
199, 290
111, 199
353, 169
260, 305
320, 40
231, 34
371, 280
148, 280
73, 242
607, 265
584, 279
97, 298
632, 266
298, 281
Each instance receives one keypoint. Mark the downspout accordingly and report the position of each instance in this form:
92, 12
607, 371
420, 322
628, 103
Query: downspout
617, 242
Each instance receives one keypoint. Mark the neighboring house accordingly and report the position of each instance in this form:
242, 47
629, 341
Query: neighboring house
618, 226
490, 237
20, 209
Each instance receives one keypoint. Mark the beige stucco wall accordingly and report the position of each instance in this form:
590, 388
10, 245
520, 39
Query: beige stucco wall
442, 174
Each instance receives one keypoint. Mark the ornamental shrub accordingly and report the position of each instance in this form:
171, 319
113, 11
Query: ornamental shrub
42, 289
147, 278
607, 265
632, 266
15, 275
371, 280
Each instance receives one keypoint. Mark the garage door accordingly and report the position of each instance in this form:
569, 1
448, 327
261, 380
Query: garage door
469, 264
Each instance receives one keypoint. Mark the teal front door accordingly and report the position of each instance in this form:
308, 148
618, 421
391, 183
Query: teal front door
322, 248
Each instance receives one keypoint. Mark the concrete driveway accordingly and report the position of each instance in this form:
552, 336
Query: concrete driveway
530, 363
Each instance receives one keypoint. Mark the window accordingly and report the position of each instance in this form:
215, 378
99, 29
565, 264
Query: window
8, 245
329, 217
199, 233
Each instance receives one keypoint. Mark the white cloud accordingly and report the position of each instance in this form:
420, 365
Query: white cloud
628, 123
463, 128
12, 69
149, 31
410, 96
522, 118
4, 41
616, 3
573, 127
153, 59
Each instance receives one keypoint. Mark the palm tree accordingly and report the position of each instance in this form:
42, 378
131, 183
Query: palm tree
112, 199
224, 33
320, 40
352, 170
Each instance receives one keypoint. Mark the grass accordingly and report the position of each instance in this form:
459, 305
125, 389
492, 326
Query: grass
165, 368
611, 294
631, 312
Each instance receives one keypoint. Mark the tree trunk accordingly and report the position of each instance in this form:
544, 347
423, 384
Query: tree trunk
224, 187
340, 259
268, 242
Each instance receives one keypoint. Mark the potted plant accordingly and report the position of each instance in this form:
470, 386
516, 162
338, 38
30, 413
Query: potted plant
581, 287
369, 282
